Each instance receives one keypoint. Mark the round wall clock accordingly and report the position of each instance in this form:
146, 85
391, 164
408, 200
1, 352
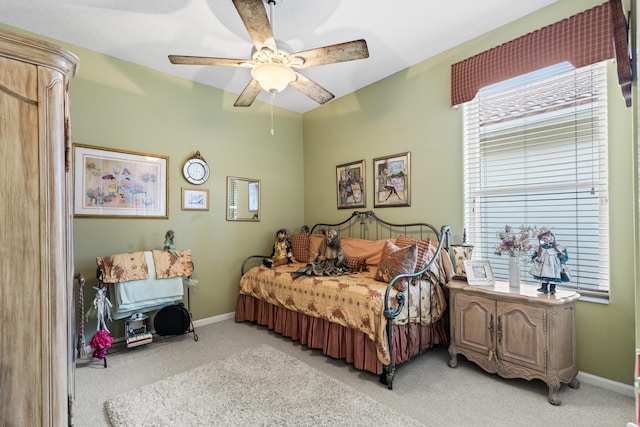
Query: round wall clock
196, 169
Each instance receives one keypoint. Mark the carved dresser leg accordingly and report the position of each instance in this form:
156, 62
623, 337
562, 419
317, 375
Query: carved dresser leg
454, 357
554, 386
574, 383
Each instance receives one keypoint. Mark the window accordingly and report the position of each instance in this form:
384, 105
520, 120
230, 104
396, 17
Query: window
535, 154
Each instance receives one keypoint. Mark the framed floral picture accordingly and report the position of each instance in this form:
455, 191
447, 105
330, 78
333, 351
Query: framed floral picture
392, 176
350, 182
119, 183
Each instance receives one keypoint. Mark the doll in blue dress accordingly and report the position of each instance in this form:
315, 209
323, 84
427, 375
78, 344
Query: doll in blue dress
548, 261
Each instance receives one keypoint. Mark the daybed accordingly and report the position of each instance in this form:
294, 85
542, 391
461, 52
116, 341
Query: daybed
373, 325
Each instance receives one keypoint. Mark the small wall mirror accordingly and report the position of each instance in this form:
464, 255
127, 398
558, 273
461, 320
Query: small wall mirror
243, 199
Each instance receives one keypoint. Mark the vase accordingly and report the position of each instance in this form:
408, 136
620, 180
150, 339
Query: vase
514, 271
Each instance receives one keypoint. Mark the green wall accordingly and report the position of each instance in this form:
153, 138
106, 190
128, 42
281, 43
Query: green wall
121, 105
117, 104
410, 111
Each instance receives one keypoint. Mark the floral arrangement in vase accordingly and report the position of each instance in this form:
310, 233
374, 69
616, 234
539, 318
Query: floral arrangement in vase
515, 243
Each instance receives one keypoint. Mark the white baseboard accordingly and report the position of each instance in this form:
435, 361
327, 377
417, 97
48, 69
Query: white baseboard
214, 319
620, 388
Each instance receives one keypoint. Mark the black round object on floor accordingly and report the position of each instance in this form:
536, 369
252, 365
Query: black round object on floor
172, 320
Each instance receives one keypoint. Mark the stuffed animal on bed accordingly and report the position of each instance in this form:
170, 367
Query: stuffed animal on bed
329, 259
282, 253
330, 252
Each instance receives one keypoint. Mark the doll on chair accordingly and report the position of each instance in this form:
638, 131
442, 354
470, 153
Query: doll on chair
282, 253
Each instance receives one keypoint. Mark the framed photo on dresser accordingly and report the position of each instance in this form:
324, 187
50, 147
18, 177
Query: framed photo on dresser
479, 272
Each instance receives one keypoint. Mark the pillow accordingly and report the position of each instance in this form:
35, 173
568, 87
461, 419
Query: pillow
394, 261
300, 247
356, 263
423, 250
314, 243
369, 249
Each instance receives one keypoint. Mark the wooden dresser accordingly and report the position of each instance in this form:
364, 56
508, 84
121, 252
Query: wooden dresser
515, 332
36, 261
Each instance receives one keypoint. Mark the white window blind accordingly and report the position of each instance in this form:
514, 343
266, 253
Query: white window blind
535, 154
232, 198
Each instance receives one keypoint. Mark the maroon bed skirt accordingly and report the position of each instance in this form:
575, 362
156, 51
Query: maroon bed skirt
335, 340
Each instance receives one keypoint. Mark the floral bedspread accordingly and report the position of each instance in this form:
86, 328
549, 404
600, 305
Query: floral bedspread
354, 301
130, 266
172, 263
123, 267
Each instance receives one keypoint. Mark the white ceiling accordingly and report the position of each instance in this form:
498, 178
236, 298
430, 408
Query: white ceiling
398, 34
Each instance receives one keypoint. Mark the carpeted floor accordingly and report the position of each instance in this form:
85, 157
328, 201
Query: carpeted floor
425, 388
259, 386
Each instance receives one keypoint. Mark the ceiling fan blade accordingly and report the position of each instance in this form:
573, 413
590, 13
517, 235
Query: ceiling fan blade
249, 94
332, 54
312, 89
207, 60
254, 17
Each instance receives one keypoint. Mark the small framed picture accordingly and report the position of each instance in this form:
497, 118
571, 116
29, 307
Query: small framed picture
350, 182
195, 200
392, 175
479, 272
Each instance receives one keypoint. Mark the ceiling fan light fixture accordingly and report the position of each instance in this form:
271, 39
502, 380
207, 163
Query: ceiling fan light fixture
272, 76
272, 65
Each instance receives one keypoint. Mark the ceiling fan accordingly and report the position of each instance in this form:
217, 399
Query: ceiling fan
272, 68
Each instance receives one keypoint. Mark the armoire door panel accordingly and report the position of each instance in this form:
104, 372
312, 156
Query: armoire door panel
19, 79
36, 256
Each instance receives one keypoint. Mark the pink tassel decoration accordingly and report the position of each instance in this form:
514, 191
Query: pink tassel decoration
101, 341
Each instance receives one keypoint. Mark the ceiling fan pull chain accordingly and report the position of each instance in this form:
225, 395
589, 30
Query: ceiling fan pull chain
273, 95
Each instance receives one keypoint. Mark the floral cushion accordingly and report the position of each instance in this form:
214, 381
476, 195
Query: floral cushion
172, 263
123, 267
395, 261
300, 247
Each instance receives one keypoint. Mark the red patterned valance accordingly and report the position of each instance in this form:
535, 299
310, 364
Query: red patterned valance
592, 36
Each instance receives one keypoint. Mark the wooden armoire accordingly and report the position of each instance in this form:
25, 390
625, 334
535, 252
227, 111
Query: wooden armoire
36, 262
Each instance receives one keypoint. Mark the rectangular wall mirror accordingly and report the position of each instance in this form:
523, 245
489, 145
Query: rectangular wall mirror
243, 199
